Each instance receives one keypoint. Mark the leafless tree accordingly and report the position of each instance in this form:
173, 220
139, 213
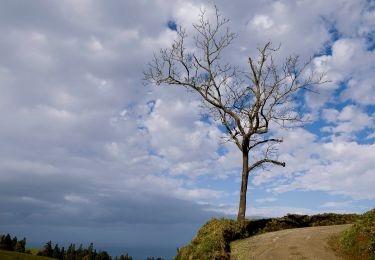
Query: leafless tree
246, 103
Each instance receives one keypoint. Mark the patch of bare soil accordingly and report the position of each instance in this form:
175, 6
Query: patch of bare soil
300, 243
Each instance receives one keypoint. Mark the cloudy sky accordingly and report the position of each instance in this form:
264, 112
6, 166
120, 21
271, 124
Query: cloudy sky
90, 153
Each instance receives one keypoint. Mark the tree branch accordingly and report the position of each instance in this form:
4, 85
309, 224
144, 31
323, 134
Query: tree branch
261, 162
276, 140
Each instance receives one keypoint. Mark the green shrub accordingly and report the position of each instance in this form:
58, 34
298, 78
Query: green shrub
299, 221
257, 226
287, 222
212, 240
359, 240
328, 219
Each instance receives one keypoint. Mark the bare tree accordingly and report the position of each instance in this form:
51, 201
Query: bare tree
246, 103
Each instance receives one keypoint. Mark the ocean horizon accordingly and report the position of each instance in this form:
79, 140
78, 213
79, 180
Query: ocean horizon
136, 252
142, 252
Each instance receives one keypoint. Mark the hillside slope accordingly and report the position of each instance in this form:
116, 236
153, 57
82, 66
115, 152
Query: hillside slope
302, 243
10, 255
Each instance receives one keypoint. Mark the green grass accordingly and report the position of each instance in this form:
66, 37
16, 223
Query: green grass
213, 240
33, 251
359, 240
9, 255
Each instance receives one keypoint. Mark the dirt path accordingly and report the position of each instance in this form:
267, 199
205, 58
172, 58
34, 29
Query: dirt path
301, 243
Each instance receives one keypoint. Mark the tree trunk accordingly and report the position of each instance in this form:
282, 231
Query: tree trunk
245, 176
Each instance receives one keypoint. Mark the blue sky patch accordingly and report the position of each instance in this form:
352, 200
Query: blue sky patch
172, 25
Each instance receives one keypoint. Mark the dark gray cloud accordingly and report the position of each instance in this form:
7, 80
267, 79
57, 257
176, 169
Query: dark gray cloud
70, 155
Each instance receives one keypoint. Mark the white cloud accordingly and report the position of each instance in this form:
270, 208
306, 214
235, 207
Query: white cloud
38, 168
177, 134
273, 21
330, 115
199, 194
371, 136
186, 13
279, 211
265, 212
95, 44
336, 167
261, 22
350, 63
361, 90
76, 199
266, 200
350, 119
336, 204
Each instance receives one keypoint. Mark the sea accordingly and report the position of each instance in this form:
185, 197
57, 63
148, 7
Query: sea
136, 252
141, 253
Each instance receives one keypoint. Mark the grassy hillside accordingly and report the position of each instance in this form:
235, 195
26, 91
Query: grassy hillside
33, 251
10, 255
358, 242
213, 240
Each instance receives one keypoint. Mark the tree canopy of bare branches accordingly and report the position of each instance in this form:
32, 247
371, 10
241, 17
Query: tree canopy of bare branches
246, 103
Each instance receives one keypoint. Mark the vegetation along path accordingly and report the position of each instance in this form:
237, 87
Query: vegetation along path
300, 243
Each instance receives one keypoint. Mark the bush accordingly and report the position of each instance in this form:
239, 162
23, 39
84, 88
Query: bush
328, 219
299, 221
212, 240
287, 222
359, 240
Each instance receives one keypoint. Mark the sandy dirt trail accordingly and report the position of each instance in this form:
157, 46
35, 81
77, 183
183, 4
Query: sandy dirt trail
301, 243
